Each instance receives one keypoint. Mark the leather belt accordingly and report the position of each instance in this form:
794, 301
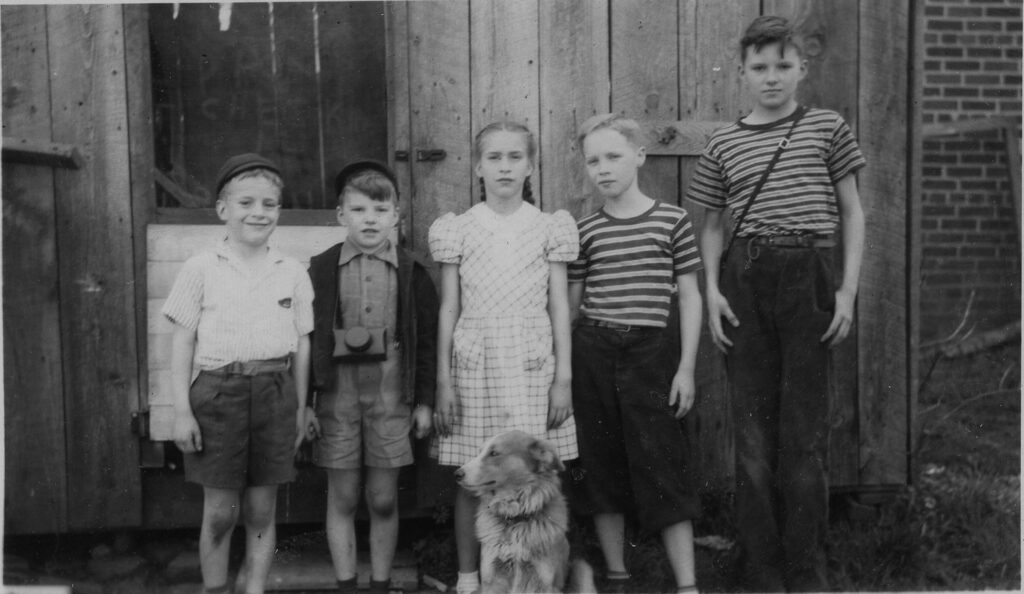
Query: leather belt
257, 367
791, 241
609, 325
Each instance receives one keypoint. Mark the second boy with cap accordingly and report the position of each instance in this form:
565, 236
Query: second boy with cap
375, 327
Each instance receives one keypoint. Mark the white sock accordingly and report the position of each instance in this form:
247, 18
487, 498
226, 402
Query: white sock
468, 581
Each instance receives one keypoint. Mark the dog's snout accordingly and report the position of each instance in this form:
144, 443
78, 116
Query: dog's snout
459, 474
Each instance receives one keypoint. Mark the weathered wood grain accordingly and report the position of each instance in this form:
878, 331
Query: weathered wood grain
399, 124
882, 305
645, 80
439, 71
94, 223
35, 486
504, 64
574, 85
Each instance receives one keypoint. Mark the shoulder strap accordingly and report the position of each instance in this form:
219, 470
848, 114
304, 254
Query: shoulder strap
764, 177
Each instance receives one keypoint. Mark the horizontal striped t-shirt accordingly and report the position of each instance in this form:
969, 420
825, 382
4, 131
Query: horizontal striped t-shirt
799, 195
629, 266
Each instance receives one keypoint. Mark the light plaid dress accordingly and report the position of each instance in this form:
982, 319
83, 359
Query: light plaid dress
503, 358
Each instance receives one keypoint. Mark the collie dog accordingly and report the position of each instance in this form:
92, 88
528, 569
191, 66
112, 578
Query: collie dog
522, 518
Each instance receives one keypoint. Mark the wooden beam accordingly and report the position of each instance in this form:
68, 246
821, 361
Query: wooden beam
30, 151
1013, 164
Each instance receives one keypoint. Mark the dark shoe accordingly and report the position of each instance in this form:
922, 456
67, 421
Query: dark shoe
349, 586
383, 587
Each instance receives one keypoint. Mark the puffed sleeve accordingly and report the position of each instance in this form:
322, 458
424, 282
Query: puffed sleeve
445, 240
563, 237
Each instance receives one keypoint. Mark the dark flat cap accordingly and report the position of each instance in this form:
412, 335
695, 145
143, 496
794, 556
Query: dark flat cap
362, 165
240, 163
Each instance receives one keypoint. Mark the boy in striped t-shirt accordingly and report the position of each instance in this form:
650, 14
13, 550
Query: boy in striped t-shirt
631, 384
776, 290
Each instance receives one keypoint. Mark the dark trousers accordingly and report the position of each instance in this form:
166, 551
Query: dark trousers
632, 449
778, 370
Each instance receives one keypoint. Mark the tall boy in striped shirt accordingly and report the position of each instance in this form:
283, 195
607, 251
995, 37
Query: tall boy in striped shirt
776, 290
631, 383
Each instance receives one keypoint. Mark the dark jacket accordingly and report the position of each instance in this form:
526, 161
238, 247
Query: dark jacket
416, 325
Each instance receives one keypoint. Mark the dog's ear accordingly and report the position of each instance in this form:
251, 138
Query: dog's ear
545, 456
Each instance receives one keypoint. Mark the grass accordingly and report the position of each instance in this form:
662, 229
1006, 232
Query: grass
956, 527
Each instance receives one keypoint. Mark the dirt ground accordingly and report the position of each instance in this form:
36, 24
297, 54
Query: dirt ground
956, 527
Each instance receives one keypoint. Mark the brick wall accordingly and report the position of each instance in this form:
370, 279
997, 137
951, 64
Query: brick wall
972, 69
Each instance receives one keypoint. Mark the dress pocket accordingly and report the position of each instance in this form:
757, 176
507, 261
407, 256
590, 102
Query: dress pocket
467, 347
538, 348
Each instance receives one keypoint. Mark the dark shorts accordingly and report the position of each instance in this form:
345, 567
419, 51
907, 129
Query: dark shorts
248, 428
633, 450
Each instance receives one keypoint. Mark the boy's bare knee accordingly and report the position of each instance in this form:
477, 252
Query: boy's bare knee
221, 522
381, 503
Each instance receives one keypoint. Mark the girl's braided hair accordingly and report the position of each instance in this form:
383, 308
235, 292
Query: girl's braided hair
531, 151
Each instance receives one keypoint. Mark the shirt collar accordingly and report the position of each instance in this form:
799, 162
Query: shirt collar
386, 252
274, 255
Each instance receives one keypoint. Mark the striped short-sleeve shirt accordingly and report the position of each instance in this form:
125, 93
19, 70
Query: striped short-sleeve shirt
799, 195
238, 315
629, 266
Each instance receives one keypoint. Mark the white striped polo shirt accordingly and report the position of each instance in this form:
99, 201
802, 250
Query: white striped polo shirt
799, 195
237, 315
630, 265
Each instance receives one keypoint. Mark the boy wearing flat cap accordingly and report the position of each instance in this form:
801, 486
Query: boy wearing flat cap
242, 315
374, 367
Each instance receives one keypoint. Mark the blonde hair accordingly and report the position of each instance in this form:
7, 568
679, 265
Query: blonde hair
613, 121
531, 151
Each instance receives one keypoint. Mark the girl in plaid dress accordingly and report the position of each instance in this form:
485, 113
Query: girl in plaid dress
503, 332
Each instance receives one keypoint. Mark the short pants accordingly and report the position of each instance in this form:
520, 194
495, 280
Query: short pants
633, 450
247, 424
365, 421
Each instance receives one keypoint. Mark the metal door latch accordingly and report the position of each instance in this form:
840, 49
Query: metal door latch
431, 154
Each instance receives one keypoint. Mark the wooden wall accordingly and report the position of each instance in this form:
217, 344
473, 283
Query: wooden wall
70, 346
75, 327
551, 65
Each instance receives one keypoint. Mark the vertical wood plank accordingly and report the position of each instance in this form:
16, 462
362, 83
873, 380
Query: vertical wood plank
35, 488
504, 76
353, 86
882, 304
829, 32
87, 65
574, 85
399, 124
709, 89
439, 67
645, 79
142, 161
296, 101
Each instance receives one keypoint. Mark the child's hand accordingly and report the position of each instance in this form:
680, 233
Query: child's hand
559, 403
444, 414
718, 307
187, 436
421, 421
842, 320
683, 394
